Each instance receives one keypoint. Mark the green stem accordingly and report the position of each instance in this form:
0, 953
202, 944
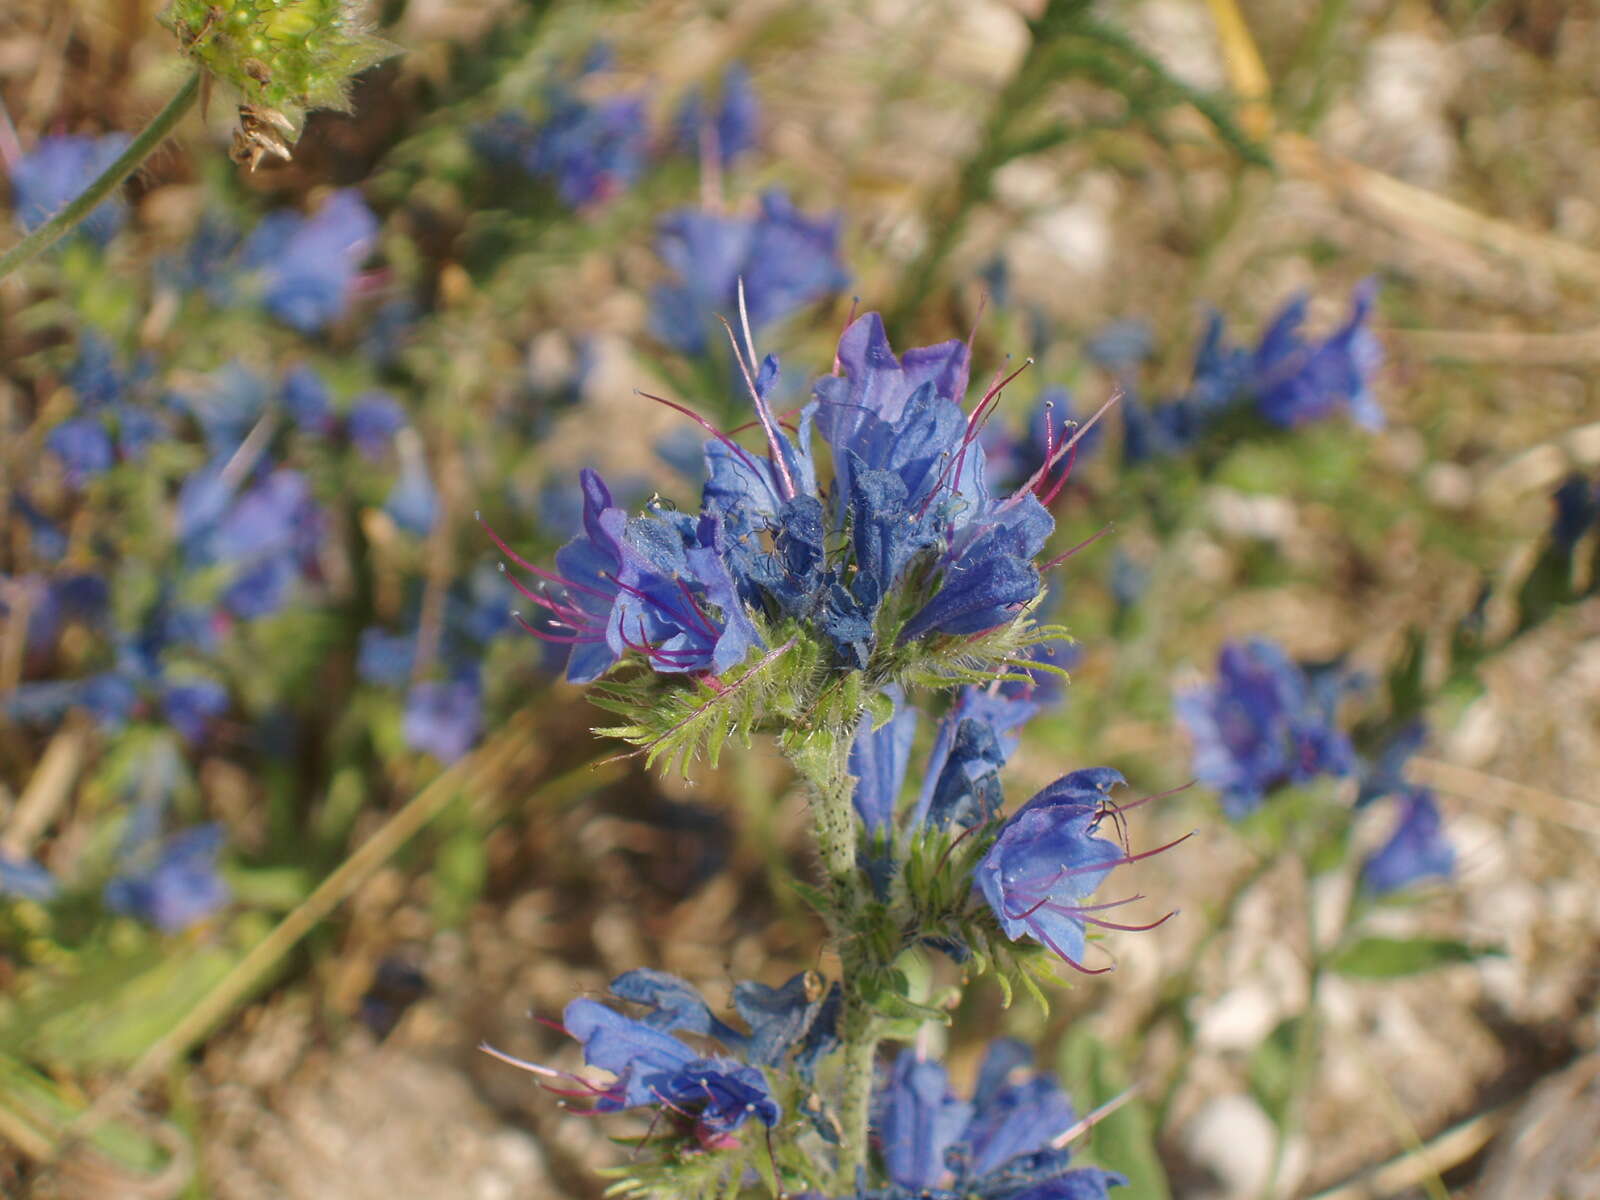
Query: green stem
129, 161
824, 761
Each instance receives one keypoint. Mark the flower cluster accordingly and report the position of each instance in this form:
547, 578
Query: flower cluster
1009, 1142
1285, 380
905, 545
709, 1097
1263, 724
781, 259
593, 141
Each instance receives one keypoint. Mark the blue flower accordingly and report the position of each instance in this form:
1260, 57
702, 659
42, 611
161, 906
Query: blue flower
918, 1121
999, 1146
1577, 510
308, 265
730, 129
306, 399
84, 448
412, 503
657, 585
385, 658
178, 887
373, 420
26, 879
714, 1095
1295, 381
878, 760
592, 151
268, 535
56, 171
227, 407
785, 260
190, 705
1261, 726
1047, 860
444, 719
1416, 850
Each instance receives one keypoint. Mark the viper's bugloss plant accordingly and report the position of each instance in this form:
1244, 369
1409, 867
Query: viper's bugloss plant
859, 554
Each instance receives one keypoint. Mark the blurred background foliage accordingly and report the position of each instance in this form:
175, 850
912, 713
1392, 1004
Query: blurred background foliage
292, 816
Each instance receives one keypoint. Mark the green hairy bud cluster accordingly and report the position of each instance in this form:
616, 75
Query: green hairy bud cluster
284, 57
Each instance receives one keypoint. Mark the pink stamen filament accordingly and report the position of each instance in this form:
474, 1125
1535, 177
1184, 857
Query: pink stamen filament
732, 445
1060, 451
1083, 545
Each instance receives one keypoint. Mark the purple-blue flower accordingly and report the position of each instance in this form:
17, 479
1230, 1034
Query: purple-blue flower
878, 761
656, 585
785, 259
728, 129
591, 151
84, 448
1296, 381
190, 705
177, 885
1001, 1145
1048, 859
308, 265
56, 172
1416, 850
1261, 726
444, 718
26, 879
708, 1095
373, 420
305, 397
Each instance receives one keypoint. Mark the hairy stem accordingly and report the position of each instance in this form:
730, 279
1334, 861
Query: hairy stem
823, 759
129, 161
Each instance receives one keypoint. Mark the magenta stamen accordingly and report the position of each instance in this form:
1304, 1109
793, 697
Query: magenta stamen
1083, 545
1049, 464
1049, 496
1067, 958
1131, 928
694, 607
557, 639
714, 432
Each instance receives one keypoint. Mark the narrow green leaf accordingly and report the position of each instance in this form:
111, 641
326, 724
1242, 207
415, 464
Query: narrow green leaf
1391, 958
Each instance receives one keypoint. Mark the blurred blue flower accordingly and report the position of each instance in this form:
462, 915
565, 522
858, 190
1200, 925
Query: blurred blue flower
95, 375
373, 420
999, 1146
177, 884
412, 503
1296, 381
226, 406
84, 448
591, 151
1577, 510
269, 534
1261, 726
785, 259
26, 879
1416, 850
47, 541
443, 718
308, 265
385, 658
190, 705
56, 171
305, 397
731, 127
1122, 346
1047, 860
